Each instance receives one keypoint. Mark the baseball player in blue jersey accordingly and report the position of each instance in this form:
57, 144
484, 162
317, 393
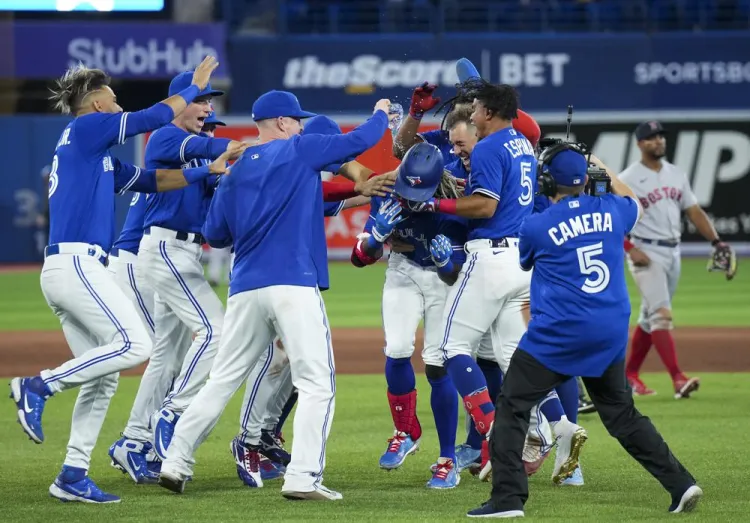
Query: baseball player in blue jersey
413, 291
100, 323
278, 272
171, 251
579, 326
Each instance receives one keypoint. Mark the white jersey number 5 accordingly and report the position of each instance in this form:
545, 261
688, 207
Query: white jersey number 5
528, 195
592, 267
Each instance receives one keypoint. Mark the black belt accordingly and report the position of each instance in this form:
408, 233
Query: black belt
116, 252
660, 243
183, 236
498, 243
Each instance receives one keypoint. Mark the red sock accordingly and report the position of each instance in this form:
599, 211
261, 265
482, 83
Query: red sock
404, 413
639, 348
664, 344
482, 410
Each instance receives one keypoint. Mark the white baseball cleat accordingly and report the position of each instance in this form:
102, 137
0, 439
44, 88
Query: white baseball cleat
569, 444
319, 493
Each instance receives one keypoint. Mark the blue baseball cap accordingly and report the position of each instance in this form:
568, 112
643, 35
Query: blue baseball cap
274, 104
212, 119
321, 124
183, 80
568, 168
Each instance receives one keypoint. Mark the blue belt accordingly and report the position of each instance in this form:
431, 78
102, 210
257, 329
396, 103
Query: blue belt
660, 243
51, 250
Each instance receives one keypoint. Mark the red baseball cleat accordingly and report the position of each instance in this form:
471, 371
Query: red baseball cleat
683, 386
639, 388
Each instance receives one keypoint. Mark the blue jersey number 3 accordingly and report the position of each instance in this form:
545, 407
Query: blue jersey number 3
590, 266
528, 195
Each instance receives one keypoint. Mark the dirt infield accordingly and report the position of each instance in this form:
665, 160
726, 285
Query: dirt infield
359, 351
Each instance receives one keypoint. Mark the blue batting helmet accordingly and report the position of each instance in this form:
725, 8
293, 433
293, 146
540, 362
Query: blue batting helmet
420, 173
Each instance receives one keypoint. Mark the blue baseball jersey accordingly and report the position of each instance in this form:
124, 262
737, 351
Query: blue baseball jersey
418, 230
332, 208
272, 207
439, 139
85, 176
503, 167
541, 202
173, 148
579, 302
132, 230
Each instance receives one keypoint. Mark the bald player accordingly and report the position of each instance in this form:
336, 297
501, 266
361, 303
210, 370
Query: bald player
654, 254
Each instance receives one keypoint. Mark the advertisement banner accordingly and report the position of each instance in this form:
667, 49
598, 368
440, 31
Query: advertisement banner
124, 50
715, 155
593, 72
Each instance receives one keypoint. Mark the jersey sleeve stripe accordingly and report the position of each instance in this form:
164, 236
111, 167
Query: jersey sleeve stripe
123, 128
182, 147
339, 208
488, 193
132, 180
637, 206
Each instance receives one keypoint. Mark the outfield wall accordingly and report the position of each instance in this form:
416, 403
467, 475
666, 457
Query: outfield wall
713, 147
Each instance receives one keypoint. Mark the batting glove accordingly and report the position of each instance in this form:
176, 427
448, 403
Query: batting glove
441, 250
389, 215
422, 100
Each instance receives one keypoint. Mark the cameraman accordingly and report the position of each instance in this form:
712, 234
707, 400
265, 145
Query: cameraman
579, 327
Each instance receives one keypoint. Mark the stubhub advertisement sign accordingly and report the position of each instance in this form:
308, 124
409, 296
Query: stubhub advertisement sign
592, 72
124, 50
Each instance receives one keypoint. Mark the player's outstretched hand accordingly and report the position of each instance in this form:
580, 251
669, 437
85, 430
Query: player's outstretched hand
202, 73
233, 151
422, 100
389, 215
639, 258
441, 250
377, 185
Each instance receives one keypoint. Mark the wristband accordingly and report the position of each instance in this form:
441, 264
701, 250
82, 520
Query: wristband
190, 93
196, 174
337, 191
715, 242
417, 115
447, 268
359, 255
372, 243
446, 205
628, 245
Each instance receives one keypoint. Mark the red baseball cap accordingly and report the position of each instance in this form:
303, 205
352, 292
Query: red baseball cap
527, 126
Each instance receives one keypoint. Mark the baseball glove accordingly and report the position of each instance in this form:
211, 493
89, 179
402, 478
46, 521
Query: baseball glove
723, 259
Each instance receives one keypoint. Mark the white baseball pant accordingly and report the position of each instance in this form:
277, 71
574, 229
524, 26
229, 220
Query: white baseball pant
104, 333
173, 269
254, 318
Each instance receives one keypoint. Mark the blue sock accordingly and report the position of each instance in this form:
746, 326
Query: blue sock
72, 474
567, 391
444, 403
551, 407
399, 375
37, 386
288, 406
494, 378
469, 380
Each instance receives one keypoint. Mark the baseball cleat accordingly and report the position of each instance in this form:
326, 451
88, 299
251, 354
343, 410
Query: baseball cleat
467, 457
83, 490
534, 454
399, 447
247, 459
683, 386
270, 470
272, 447
130, 457
585, 406
569, 446
173, 481
687, 502
165, 421
639, 388
488, 511
576, 480
319, 493
30, 407
446, 476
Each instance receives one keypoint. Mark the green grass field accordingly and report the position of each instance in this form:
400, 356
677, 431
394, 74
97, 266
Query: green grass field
703, 299
707, 433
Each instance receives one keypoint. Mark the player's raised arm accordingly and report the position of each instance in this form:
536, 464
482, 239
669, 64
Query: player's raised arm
132, 178
216, 229
422, 100
320, 151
